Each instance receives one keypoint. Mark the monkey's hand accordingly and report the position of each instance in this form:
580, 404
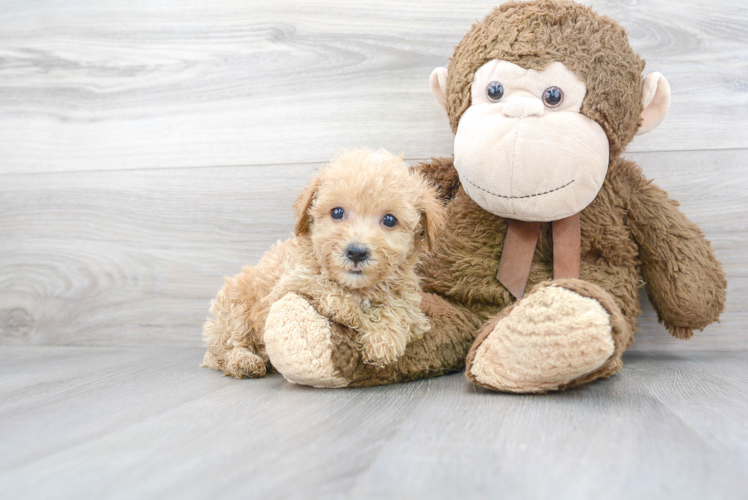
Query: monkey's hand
299, 343
684, 280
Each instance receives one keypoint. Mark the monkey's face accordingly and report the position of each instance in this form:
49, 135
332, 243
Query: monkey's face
523, 150
536, 126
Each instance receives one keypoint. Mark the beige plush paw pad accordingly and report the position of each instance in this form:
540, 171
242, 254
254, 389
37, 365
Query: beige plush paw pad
297, 339
548, 339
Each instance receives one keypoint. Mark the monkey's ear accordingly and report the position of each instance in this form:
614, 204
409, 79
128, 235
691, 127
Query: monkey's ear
438, 84
655, 100
302, 205
433, 215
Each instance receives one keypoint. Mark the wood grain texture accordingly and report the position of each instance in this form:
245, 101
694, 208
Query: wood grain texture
87, 256
145, 423
113, 85
148, 148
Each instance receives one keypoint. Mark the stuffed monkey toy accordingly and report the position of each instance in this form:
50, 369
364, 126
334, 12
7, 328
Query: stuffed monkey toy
533, 285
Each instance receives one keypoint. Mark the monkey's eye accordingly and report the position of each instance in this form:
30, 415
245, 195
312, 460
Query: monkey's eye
553, 97
337, 213
389, 220
495, 91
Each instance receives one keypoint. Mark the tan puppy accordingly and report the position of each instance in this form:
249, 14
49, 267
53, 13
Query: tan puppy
361, 225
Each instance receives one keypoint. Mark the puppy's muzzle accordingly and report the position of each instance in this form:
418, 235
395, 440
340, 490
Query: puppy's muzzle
357, 254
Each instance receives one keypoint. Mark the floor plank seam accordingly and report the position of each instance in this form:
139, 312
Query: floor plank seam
314, 162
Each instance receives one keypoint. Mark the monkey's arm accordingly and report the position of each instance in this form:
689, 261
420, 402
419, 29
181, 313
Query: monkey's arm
309, 349
442, 174
684, 280
441, 350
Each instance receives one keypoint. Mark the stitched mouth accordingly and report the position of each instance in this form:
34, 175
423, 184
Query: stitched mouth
519, 197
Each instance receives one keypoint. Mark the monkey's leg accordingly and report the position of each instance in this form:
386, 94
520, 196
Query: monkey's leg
308, 349
562, 334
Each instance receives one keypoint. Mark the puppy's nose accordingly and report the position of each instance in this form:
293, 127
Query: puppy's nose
357, 254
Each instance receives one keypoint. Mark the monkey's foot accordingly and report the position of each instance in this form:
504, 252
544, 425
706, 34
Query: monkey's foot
298, 342
560, 335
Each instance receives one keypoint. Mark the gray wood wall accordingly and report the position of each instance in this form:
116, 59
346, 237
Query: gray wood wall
148, 148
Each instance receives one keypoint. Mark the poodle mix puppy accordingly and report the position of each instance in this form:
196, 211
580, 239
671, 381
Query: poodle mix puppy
361, 225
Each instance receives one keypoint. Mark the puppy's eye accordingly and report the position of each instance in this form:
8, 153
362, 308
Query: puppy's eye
389, 220
337, 213
495, 91
553, 97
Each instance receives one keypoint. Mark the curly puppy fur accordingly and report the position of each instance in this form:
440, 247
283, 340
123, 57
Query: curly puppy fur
378, 298
633, 234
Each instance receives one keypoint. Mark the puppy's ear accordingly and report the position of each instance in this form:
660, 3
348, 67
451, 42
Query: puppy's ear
433, 214
302, 205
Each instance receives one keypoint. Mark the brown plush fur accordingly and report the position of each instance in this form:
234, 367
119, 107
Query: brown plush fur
377, 299
440, 351
633, 235
535, 34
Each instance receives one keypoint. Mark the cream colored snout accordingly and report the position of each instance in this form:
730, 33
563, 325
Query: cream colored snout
541, 169
521, 107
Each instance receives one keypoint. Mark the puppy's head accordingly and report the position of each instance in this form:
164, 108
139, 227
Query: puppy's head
367, 217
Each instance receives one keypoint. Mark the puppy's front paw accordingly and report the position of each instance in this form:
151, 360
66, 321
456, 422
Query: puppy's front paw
298, 342
380, 349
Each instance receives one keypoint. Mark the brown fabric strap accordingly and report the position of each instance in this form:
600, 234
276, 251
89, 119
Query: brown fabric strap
519, 248
567, 242
516, 258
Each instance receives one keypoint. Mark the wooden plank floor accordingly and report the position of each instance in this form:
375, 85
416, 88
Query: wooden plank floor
149, 148
88, 422
101, 85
